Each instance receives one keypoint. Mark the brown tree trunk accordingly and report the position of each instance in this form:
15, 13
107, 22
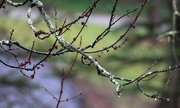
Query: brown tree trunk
174, 87
175, 96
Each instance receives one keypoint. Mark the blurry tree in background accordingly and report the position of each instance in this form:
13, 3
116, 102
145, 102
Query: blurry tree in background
174, 89
90, 49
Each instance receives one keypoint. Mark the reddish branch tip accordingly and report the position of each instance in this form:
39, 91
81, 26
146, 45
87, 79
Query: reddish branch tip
56, 47
50, 49
4, 7
38, 67
142, 4
21, 64
28, 61
74, 39
82, 23
133, 26
32, 76
128, 38
67, 99
42, 65
115, 48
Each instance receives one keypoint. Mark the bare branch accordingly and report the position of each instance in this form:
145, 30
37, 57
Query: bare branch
57, 33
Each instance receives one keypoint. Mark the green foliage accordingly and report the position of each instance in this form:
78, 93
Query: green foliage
81, 5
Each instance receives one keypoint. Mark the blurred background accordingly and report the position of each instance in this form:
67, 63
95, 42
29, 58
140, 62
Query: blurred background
146, 45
